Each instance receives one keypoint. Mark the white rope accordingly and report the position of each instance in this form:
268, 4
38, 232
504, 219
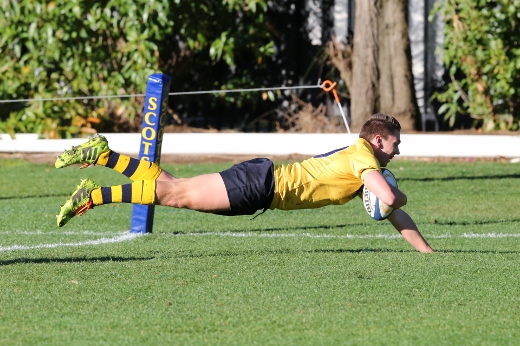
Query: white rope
318, 85
344, 117
171, 94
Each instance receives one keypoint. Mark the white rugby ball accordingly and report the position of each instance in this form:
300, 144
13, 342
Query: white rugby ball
373, 205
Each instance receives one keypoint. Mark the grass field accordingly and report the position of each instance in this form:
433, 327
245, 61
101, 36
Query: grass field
330, 276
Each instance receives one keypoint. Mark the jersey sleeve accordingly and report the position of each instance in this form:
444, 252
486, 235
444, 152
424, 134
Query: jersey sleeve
363, 162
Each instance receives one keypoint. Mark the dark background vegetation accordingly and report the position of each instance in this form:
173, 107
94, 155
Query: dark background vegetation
67, 48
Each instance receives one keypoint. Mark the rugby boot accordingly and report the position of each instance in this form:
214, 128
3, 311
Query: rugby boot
78, 203
86, 153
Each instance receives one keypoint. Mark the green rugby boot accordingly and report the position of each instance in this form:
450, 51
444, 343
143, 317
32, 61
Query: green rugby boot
78, 203
86, 153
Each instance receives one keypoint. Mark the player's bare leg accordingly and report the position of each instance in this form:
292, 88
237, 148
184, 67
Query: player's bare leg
203, 193
166, 176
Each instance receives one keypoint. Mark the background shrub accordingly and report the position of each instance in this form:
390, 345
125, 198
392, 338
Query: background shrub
83, 48
482, 53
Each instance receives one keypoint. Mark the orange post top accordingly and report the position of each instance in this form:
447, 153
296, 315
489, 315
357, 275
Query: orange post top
331, 86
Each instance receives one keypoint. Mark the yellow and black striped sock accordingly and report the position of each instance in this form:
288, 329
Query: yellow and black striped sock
138, 192
133, 168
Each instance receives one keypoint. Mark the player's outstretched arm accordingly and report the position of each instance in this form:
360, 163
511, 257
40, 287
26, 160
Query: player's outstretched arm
404, 224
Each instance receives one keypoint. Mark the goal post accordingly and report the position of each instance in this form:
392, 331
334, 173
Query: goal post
152, 131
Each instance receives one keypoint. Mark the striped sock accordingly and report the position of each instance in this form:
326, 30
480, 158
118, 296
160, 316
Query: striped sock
138, 192
133, 168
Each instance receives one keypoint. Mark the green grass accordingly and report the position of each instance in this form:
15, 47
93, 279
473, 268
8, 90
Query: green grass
330, 276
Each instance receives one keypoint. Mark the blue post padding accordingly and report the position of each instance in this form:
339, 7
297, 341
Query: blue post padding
154, 118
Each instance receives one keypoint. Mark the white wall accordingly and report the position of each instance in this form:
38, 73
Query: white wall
413, 145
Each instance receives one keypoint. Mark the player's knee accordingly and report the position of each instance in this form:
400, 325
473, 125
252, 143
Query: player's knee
186, 201
179, 202
178, 195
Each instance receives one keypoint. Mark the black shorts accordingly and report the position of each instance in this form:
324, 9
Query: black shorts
250, 186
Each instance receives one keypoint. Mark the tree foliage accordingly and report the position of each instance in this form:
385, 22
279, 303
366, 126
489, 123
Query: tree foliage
482, 52
63, 48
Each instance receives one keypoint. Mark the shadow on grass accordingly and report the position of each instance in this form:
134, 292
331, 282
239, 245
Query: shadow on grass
472, 223
329, 227
224, 254
360, 250
243, 253
271, 229
479, 251
475, 177
285, 252
412, 251
35, 196
72, 260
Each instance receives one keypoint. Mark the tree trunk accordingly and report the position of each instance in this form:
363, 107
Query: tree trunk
396, 84
365, 58
382, 64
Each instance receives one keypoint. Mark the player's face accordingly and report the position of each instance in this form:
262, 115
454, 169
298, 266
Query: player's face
388, 148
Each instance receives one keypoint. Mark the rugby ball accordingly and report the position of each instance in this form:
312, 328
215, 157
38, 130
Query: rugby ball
374, 207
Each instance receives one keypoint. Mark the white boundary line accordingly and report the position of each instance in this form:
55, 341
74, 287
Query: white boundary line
117, 239
346, 236
56, 233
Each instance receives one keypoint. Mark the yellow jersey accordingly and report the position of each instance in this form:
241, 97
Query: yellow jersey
331, 178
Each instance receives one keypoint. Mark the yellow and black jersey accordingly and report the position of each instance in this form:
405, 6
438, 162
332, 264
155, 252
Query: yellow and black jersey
331, 178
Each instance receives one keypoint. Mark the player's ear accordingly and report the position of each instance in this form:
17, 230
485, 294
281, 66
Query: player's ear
379, 141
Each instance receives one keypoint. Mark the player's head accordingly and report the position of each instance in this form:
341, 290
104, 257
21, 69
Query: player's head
383, 132
379, 124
